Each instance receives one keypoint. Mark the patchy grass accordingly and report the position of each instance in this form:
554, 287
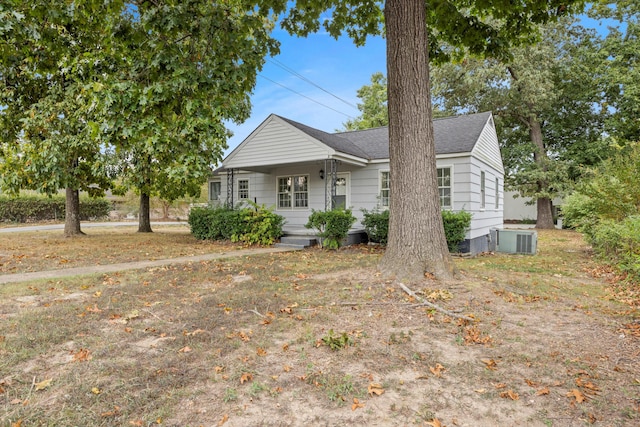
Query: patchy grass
50, 250
318, 337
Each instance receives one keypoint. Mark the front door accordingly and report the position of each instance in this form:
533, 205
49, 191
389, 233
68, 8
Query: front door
342, 191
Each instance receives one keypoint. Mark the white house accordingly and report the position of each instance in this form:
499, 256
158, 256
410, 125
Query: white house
295, 168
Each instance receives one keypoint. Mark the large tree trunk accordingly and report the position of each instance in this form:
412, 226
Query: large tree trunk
544, 217
144, 217
416, 244
72, 213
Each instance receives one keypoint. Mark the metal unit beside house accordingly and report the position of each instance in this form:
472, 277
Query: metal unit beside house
298, 168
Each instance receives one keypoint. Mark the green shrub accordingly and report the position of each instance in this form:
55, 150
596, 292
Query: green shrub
250, 225
580, 213
262, 225
333, 226
456, 225
376, 224
43, 208
618, 243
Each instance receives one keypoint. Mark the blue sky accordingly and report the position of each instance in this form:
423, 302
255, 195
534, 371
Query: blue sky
337, 66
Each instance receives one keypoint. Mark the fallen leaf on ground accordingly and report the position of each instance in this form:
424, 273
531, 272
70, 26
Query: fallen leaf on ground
435, 423
96, 390
438, 370
224, 419
185, 349
577, 394
82, 355
510, 394
261, 351
356, 404
375, 388
542, 391
490, 364
43, 384
246, 377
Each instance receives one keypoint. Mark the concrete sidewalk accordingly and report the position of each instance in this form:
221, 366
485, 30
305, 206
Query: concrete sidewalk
111, 268
88, 225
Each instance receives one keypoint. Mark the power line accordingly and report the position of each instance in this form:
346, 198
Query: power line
301, 77
305, 96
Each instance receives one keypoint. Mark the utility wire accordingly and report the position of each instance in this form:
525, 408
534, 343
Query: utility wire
305, 96
301, 77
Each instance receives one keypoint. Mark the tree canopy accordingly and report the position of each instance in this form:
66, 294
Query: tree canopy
545, 99
183, 71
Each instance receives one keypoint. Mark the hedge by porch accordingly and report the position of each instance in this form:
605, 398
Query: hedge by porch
456, 225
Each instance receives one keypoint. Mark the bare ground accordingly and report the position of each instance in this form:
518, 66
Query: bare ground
249, 342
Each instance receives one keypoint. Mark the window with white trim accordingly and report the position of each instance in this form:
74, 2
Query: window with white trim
483, 189
215, 190
497, 206
385, 188
293, 191
444, 187
243, 189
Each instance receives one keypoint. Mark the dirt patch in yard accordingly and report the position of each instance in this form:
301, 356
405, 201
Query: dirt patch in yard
320, 338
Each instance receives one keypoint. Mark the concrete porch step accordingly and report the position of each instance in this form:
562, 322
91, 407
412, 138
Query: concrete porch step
297, 241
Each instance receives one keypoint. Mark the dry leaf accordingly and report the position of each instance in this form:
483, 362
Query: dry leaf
356, 404
137, 423
43, 384
490, 364
375, 388
542, 391
438, 370
510, 394
218, 369
435, 423
185, 349
577, 394
17, 423
224, 419
261, 351
246, 377
82, 355
500, 385
286, 368
531, 383
96, 390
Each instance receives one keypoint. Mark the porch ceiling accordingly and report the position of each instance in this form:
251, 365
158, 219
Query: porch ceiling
312, 164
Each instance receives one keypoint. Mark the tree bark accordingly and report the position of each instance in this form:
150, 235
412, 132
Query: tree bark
544, 218
72, 213
144, 217
416, 245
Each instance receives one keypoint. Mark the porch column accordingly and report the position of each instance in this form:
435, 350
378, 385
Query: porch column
230, 180
330, 178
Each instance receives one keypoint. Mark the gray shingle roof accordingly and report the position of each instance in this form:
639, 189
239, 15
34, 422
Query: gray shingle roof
457, 134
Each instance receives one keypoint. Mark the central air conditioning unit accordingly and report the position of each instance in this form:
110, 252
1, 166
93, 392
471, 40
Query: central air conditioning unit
515, 241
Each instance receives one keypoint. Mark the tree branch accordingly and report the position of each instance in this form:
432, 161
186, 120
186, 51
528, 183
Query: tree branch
432, 305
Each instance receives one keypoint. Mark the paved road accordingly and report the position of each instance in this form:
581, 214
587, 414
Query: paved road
88, 225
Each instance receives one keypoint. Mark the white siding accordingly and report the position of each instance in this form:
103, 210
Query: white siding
273, 143
487, 148
489, 217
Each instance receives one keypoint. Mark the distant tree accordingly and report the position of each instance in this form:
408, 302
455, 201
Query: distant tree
53, 58
620, 72
546, 101
185, 68
373, 108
